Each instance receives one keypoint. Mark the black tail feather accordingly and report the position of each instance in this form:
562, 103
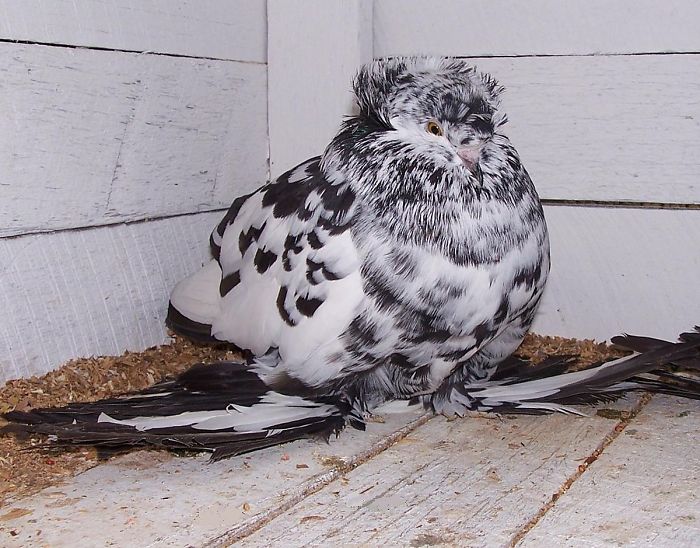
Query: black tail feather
228, 389
658, 366
227, 409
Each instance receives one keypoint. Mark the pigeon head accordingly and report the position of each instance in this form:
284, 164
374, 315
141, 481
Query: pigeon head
444, 108
425, 132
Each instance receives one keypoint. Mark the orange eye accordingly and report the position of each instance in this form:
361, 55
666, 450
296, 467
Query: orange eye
434, 128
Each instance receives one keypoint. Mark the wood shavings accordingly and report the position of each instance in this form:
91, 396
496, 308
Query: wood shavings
25, 472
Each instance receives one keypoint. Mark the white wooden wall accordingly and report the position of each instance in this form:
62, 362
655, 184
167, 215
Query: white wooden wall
126, 126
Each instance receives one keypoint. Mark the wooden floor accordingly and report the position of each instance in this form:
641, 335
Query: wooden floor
627, 475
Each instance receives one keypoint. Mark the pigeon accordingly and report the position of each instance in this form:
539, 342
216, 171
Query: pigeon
406, 262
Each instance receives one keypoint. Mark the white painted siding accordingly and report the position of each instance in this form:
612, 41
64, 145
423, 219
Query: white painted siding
223, 29
95, 137
92, 292
621, 270
536, 27
605, 128
315, 48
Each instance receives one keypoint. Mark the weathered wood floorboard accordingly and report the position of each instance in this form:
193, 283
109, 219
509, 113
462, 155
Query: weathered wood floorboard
642, 491
468, 482
155, 499
475, 481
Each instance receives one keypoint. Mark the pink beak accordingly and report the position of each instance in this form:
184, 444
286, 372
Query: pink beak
470, 155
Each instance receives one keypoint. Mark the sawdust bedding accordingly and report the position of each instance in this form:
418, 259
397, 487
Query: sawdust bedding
23, 472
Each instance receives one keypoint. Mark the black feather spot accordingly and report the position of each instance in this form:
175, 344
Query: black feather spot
314, 240
291, 243
331, 276
332, 228
264, 260
400, 360
362, 331
502, 312
247, 237
528, 277
228, 219
308, 307
281, 298
229, 282
482, 332
433, 335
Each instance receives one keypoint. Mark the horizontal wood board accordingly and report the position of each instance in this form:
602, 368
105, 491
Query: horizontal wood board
97, 137
224, 29
535, 27
605, 128
642, 491
621, 270
92, 292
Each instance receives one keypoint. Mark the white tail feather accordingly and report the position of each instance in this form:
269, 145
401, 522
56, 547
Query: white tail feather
273, 410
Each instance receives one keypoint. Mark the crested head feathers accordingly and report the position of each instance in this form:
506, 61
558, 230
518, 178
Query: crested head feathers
383, 86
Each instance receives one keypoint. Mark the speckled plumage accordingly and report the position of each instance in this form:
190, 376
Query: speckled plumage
409, 271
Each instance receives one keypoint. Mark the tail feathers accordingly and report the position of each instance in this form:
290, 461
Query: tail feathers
223, 408
514, 367
654, 367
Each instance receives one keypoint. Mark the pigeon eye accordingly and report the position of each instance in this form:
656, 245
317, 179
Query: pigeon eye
434, 128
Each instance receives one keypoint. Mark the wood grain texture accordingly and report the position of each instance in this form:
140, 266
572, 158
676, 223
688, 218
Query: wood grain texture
621, 270
92, 292
605, 128
154, 499
536, 27
95, 137
314, 49
224, 29
467, 482
642, 491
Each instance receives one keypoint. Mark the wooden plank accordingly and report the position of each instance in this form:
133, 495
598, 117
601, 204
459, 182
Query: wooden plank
224, 29
536, 27
97, 137
314, 49
92, 292
165, 501
605, 128
642, 491
621, 270
468, 482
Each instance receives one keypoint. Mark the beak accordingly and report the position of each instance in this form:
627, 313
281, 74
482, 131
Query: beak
470, 156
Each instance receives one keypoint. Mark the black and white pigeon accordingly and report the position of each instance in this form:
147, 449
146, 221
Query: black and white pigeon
407, 261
